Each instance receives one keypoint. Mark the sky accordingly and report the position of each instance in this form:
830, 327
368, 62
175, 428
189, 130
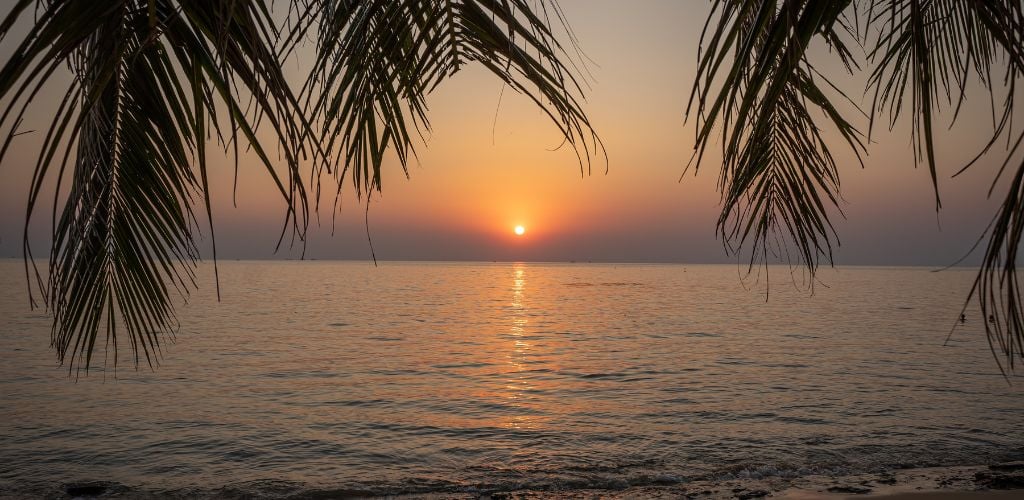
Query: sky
488, 167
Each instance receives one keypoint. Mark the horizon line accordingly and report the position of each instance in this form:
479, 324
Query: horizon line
933, 267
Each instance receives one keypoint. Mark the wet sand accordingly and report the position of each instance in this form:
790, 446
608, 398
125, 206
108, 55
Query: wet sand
994, 482
957, 495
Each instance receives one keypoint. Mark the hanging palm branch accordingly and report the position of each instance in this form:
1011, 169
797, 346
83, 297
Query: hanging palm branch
151, 81
778, 175
756, 83
154, 80
378, 59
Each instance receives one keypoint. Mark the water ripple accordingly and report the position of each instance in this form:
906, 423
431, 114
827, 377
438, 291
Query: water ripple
475, 378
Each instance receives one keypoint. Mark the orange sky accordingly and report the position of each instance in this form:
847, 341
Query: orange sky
486, 169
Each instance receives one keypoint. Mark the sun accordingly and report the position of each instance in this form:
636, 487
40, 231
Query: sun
519, 230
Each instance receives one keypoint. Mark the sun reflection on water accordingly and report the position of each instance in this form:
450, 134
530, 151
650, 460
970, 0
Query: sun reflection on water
520, 374
517, 384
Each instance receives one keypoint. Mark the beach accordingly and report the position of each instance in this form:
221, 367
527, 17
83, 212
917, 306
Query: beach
1000, 481
994, 482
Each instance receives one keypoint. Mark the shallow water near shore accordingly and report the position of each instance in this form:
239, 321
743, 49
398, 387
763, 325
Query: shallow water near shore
466, 377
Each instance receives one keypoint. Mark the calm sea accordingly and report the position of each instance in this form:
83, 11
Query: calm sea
447, 377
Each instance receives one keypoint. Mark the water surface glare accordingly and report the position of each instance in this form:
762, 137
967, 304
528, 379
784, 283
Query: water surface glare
423, 377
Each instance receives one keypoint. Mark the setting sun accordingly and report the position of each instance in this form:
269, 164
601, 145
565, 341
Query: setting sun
519, 230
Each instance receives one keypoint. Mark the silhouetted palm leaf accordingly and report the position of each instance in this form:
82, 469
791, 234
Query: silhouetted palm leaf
756, 82
778, 175
997, 289
154, 80
150, 81
378, 59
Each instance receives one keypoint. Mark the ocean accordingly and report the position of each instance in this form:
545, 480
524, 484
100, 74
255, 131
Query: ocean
461, 378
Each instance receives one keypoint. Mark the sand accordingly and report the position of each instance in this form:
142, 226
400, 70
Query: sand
956, 495
995, 482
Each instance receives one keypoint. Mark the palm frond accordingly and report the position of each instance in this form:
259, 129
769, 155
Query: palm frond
779, 179
149, 80
155, 80
997, 286
928, 49
378, 59
931, 50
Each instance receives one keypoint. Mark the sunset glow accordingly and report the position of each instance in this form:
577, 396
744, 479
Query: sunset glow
737, 211
491, 164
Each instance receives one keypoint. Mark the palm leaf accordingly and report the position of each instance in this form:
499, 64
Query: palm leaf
378, 59
779, 179
926, 50
150, 78
154, 80
997, 286
930, 50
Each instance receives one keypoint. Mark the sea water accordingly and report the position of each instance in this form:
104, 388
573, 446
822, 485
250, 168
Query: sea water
465, 377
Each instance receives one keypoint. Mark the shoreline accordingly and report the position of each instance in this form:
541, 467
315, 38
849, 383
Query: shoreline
980, 482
